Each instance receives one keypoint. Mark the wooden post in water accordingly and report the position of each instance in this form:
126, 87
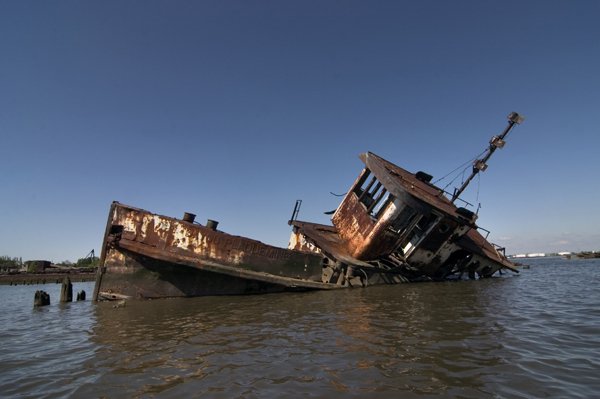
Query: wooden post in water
66, 291
81, 295
41, 298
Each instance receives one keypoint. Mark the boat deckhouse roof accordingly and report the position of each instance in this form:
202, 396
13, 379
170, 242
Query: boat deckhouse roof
399, 181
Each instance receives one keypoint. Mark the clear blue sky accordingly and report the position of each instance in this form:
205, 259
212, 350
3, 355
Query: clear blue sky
235, 109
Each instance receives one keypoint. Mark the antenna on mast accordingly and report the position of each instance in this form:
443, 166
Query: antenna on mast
496, 142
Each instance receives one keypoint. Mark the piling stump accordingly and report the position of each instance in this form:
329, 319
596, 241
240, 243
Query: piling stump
66, 290
81, 295
41, 298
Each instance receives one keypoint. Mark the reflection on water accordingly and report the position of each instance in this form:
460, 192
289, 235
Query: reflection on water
533, 335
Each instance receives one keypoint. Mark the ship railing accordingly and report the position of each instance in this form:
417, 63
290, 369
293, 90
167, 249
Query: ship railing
501, 250
487, 232
449, 194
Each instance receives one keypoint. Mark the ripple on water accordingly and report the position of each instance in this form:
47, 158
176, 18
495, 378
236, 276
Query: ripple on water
536, 335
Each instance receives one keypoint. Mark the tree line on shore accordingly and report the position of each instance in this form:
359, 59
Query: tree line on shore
8, 263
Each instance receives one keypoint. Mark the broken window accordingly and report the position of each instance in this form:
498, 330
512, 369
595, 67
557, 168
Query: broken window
372, 194
404, 220
420, 227
367, 188
361, 185
381, 205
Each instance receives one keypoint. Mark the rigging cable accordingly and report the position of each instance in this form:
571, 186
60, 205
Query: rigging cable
478, 185
463, 165
462, 175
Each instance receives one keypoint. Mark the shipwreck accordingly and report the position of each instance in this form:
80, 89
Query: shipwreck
391, 227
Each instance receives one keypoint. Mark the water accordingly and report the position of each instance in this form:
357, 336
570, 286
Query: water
534, 335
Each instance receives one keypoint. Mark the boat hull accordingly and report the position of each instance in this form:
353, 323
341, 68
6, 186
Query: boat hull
145, 256
132, 275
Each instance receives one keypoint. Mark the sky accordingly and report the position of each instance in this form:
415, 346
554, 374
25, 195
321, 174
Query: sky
233, 110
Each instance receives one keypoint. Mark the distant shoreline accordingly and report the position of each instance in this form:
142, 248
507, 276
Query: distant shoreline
44, 278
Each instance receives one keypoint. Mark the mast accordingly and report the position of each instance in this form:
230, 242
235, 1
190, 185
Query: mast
496, 142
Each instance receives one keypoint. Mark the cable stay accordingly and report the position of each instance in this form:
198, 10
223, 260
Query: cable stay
480, 164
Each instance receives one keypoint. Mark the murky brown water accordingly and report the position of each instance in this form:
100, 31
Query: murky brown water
535, 335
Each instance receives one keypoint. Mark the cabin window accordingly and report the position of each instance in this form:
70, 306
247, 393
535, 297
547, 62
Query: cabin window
421, 226
372, 194
405, 219
381, 205
367, 189
362, 184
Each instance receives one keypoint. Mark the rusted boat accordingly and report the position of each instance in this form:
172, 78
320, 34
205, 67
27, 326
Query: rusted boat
392, 226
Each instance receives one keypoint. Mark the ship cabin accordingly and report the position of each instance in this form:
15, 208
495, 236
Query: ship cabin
390, 212
394, 218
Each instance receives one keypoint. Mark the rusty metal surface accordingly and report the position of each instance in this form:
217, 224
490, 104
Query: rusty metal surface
186, 239
401, 182
327, 240
173, 241
211, 266
355, 226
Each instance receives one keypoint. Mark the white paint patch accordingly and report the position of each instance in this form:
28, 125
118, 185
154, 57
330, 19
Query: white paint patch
129, 224
181, 237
